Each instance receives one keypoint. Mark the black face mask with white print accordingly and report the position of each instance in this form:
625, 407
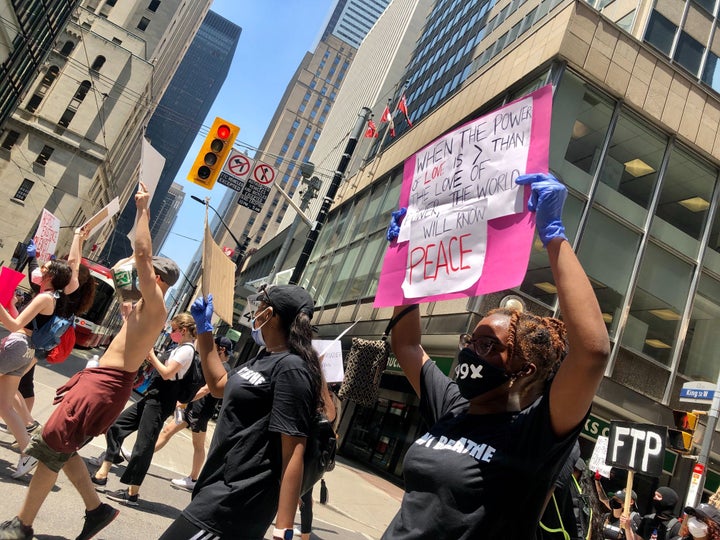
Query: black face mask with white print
475, 376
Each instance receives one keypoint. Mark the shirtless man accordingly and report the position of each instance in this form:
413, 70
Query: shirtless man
95, 397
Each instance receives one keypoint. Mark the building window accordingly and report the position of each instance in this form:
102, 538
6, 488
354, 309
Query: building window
24, 189
72, 108
154, 4
689, 53
98, 63
110, 3
143, 24
67, 48
660, 33
44, 156
10, 140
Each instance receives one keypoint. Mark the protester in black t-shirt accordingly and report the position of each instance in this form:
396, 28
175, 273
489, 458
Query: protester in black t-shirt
502, 430
254, 466
663, 522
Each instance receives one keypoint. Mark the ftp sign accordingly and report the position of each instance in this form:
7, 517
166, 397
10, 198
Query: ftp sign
637, 447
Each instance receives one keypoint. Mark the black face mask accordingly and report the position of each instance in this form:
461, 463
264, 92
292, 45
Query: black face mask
615, 504
475, 375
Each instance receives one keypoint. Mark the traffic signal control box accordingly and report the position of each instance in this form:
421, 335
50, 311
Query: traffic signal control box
680, 439
213, 154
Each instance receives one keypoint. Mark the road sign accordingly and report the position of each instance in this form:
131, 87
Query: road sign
238, 165
697, 392
230, 181
263, 173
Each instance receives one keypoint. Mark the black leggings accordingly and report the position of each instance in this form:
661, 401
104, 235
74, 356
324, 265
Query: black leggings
182, 529
306, 513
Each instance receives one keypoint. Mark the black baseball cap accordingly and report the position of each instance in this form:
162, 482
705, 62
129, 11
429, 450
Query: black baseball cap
288, 301
224, 342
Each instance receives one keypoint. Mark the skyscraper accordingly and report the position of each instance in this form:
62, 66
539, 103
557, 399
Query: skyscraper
177, 120
302, 112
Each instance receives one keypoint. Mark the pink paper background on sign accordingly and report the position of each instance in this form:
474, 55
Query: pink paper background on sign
509, 238
9, 280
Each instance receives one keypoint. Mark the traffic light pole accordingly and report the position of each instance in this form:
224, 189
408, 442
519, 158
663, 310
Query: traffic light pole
363, 116
240, 246
697, 484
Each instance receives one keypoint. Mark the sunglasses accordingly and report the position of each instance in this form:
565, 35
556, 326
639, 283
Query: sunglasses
482, 346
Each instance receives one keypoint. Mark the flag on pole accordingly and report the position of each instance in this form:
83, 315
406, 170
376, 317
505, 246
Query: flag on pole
402, 106
387, 117
371, 130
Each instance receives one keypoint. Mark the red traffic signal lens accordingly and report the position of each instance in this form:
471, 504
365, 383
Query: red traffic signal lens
223, 131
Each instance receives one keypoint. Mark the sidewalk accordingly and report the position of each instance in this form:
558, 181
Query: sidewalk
360, 504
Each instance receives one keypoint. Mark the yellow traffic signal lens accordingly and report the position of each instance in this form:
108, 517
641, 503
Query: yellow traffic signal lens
217, 145
204, 172
680, 441
223, 132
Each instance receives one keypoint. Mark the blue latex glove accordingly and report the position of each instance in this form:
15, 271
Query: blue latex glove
202, 312
395, 221
31, 249
547, 200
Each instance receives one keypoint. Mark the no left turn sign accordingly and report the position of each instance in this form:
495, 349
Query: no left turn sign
239, 165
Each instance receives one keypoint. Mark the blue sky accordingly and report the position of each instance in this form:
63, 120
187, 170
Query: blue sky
275, 36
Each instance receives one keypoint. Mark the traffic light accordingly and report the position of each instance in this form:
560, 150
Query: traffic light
681, 438
213, 154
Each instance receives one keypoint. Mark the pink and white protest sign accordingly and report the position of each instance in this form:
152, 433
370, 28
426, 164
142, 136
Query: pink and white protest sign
467, 230
46, 237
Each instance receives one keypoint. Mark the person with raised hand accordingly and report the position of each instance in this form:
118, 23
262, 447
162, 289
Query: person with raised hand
523, 388
254, 467
88, 404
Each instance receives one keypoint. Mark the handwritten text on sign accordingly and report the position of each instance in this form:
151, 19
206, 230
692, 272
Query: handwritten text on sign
451, 230
637, 447
460, 182
46, 237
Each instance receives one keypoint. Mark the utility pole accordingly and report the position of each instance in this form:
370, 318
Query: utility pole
697, 479
357, 131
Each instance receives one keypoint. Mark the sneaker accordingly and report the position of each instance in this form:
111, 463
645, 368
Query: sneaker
125, 453
24, 466
122, 496
96, 520
30, 428
185, 483
98, 460
98, 481
296, 532
15, 530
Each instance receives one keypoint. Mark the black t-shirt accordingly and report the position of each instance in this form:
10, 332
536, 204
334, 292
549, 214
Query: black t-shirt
236, 495
476, 476
667, 529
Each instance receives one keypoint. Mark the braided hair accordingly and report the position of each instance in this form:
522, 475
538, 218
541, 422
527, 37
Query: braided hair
539, 340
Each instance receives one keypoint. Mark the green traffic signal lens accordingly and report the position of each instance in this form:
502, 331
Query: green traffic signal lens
210, 159
203, 172
217, 145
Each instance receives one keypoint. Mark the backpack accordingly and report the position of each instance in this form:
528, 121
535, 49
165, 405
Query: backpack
63, 349
192, 381
48, 336
320, 449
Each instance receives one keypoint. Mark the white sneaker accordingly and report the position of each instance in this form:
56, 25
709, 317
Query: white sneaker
185, 483
124, 452
24, 466
296, 532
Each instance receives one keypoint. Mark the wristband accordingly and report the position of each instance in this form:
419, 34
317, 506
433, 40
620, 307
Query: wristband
284, 534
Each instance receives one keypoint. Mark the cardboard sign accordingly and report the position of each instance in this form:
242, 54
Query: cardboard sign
332, 361
151, 167
46, 236
636, 447
467, 231
99, 219
218, 276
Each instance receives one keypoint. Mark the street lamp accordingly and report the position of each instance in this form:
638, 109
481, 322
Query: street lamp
240, 246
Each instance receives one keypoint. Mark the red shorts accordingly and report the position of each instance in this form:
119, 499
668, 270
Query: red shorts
88, 404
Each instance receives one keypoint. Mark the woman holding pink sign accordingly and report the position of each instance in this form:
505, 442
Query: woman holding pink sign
523, 388
16, 353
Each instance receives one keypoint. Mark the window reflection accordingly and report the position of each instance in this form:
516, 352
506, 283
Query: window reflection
699, 355
658, 304
684, 202
579, 126
607, 240
631, 169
